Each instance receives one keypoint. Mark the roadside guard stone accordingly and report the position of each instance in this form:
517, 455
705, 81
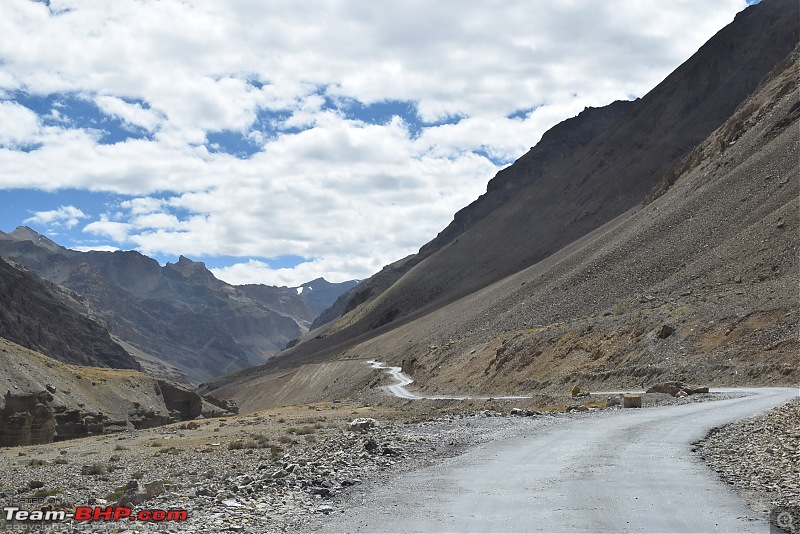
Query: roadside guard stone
631, 401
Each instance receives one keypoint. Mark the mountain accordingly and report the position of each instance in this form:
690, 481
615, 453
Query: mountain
43, 317
320, 294
649, 239
174, 317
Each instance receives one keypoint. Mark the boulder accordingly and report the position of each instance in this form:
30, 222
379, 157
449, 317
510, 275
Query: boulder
665, 332
631, 401
362, 424
674, 388
671, 388
154, 488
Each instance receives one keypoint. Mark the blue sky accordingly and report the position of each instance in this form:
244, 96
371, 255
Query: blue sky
279, 142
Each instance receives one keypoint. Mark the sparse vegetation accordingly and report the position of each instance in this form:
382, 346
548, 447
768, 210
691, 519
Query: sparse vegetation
622, 307
116, 495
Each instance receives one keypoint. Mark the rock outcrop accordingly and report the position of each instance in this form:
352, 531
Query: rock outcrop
86, 400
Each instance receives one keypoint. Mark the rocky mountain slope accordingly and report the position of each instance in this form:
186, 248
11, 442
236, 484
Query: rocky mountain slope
46, 400
179, 314
573, 279
586, 172
43, 317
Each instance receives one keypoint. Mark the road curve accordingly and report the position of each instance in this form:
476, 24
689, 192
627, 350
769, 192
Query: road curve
621, 471
398, 389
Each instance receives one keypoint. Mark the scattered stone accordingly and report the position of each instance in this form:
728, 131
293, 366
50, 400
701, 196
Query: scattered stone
154, 488
389, 451
262, 489
524, 412
674, 388
363, 424
759, 456
665, 332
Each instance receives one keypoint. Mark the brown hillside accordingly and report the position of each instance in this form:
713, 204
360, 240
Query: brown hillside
592, 280
555, 200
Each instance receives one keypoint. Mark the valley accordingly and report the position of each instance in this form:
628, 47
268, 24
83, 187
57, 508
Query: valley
649, 245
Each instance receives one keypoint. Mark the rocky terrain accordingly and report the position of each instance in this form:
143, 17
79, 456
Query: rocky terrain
696, 283
578, 178
278, 470
759, 457
44, 400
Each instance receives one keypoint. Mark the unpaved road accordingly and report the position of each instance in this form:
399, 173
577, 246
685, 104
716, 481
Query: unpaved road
401, 380
622, 471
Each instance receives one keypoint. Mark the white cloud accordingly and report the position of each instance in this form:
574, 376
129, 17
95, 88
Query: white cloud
63, 217
93, 248
19, 126
339, 270
321, 184
133, 114
117, 231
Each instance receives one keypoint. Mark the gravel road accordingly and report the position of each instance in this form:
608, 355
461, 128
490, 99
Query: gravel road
623, 471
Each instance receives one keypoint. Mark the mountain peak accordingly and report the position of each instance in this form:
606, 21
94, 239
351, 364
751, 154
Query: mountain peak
192, 269
25, 233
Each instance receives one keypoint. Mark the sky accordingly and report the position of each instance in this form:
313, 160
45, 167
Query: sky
283, 141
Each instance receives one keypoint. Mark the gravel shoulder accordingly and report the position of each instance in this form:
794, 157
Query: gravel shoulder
759, 457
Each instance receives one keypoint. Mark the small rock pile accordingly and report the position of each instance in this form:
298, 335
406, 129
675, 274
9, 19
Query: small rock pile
759, 456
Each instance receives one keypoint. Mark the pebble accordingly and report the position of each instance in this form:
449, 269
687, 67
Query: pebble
759, 456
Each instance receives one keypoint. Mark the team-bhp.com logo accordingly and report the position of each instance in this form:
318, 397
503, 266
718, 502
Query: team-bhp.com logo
94, 513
